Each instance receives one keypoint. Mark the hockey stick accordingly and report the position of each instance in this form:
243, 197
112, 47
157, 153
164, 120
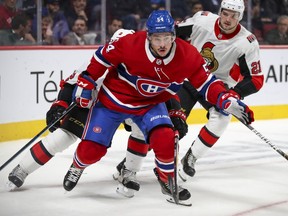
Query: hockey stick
173, 182
283, 154
38, 135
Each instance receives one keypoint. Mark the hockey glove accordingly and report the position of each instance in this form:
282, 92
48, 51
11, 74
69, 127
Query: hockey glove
229, 103
56, 110
85, 92
178, 118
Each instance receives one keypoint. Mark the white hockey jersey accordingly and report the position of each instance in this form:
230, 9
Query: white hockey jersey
225, 54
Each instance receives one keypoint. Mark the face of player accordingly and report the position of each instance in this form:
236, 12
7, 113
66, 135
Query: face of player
161, 43
228, 21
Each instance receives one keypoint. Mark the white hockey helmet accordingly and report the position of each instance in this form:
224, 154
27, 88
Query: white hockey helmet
234, 5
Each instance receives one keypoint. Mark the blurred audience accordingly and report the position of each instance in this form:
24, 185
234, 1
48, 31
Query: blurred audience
74, 9
280, 34
79, 34
29, 7
113, 26
194, 8
8, 10
60, 26
211, 5
132, 14
19, 33
47, 32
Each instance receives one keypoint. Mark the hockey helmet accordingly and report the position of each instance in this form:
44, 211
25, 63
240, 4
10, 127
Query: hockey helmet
234, 5
160, 21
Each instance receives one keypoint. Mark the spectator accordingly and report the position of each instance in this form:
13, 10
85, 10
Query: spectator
196, 6
180, 9
94, 15
131, 12
29, 7
7, 12
272, 9
20, 27
60, 26
47, 32
76, 8
279, 35
112, 27
78, 35
115, 24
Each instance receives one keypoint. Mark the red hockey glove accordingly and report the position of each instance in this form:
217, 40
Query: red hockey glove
229, 103
85, 92
178, 118
56, 110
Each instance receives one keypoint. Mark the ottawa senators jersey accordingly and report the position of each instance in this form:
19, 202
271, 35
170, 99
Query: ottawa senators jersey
138, 80
233, 58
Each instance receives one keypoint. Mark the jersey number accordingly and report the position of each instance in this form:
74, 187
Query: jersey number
256, 67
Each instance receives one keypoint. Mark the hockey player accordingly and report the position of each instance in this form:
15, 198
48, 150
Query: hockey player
232, 55
69, 132
148, 69
60, 138
71, 129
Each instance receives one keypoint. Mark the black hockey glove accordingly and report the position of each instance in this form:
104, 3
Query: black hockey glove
56, 110
178, 118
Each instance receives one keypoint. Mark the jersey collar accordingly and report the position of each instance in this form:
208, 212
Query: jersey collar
152, 58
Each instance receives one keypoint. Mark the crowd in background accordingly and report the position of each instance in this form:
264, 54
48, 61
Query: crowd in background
78, 22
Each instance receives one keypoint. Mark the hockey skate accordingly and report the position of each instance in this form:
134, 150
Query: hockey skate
182, 194
119, 168
128, 184
187, 169
16, 178
72, 177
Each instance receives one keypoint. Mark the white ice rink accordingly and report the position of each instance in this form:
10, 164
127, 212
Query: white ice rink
241, 176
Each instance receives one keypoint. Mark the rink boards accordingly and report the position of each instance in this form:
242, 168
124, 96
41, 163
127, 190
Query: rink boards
30, 77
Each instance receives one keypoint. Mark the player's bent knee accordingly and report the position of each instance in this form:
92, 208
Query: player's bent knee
58, 141
89, 152
162, 142
218, 122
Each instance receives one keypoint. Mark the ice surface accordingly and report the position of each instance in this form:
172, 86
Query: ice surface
241, 175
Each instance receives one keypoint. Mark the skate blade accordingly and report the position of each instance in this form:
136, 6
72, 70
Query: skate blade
10, 186
181, 202
124, 191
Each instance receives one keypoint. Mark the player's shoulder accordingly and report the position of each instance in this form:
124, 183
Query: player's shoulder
121, 33
200, 16
247, 39
204, 16
127, 39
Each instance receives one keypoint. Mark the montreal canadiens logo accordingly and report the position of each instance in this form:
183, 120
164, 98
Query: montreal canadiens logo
150, 88
97, 129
